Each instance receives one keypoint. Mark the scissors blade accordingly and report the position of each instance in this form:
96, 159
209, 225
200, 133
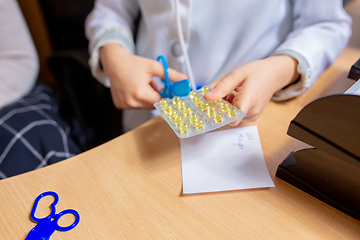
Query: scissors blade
42, 231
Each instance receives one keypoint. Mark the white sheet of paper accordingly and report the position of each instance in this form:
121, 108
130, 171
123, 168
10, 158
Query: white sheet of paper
357, 92
223, 160
354, 89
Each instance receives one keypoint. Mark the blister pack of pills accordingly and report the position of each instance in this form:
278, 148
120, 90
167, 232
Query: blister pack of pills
192, 115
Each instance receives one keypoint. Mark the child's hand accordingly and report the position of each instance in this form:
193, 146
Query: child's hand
131, 77
254, 84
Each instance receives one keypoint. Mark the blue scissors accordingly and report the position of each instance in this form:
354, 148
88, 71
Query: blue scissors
179, 88
46, 226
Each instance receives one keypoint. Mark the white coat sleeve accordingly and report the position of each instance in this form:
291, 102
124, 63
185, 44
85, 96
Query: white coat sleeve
321, 30
19, 63
110, 21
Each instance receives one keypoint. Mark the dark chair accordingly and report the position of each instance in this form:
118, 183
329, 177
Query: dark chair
84, 98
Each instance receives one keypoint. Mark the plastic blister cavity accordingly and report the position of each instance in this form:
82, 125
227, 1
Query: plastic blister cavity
192, 115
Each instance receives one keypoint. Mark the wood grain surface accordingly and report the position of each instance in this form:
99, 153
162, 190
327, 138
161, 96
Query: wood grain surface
130, 187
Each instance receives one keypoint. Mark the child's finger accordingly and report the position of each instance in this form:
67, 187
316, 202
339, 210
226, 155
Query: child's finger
230, 98
226, 86
151, 97
244, 103
235, 123
154, 85
176, 76
157, 69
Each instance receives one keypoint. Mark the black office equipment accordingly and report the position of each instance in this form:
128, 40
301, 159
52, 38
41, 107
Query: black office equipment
330, 171
355, 71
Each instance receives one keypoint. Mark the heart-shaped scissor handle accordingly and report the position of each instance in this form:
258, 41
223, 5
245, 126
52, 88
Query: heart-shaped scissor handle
52, 205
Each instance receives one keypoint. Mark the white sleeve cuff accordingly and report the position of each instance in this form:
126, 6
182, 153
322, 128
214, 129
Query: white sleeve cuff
300, 86
114, 34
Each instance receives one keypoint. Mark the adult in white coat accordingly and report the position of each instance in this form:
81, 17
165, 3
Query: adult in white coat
262, 49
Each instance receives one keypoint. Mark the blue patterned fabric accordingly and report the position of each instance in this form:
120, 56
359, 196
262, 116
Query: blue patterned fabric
33, 134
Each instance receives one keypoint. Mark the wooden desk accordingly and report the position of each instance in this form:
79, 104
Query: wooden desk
130, 187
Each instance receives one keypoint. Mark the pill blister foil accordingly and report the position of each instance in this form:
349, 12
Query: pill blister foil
209, 122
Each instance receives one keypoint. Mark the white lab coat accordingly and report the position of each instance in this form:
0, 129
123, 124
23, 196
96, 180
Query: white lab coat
222, 36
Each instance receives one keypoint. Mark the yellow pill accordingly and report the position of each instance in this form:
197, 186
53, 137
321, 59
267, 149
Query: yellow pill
197, 101
193, 117
218, 102
218, 117
199, 124
178, 120
204, 106
181, 105
187, 111
211, 111
163, 102
224, 106
167, 108
184, 128
193, 94
172, 114
232, 112
211, 104
204, 89
175, 100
